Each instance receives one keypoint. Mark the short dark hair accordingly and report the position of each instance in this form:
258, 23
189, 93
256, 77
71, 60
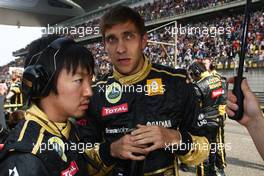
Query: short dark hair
39, 45
197, 68
121, 14
69, 57
15, 117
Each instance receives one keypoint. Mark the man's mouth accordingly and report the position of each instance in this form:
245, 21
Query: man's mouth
84, 106
124, 61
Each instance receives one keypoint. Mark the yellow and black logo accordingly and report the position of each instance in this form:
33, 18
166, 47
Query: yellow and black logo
155, 87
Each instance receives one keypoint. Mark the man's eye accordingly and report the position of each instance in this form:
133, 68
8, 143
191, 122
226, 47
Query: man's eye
111, 40
78, 80
129, 36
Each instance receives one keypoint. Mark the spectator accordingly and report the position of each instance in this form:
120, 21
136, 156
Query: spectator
3, 88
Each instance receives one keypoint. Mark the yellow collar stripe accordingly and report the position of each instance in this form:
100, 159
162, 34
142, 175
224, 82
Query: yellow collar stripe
39, 141
172, 74
21, 135
204, 75
132, 79
35, 114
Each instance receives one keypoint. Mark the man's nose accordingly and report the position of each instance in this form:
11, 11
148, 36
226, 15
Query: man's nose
121, 47
87, 91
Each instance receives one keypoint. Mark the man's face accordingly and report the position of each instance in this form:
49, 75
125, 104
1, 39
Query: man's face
207, 64
14, 76
73, 95
124, 45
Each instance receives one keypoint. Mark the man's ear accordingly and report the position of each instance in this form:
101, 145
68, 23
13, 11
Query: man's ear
144, 40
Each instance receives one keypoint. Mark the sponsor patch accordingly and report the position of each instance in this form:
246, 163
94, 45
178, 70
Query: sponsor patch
201, 120
122, 130
155, 87
71, 170
115, 110
58, 146
13, 172
215, 83
113, 93
163, 123
217, 93
82, 122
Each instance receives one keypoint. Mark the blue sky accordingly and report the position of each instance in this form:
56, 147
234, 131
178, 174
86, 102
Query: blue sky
13, 38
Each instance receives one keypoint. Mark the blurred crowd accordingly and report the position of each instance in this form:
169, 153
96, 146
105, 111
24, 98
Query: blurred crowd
156, 10
217, 38
4, 70
11, 98
167, 8
102, 61
220, 45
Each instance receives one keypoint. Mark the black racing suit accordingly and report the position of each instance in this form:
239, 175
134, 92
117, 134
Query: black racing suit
38, 147
220, 138
209, 90
157, 95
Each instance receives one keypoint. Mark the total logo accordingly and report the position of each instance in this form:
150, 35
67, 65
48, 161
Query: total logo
115, 110
217, 93
71, 170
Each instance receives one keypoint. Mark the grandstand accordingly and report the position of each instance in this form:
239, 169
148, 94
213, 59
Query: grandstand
222, 47
159, 12
156, 13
